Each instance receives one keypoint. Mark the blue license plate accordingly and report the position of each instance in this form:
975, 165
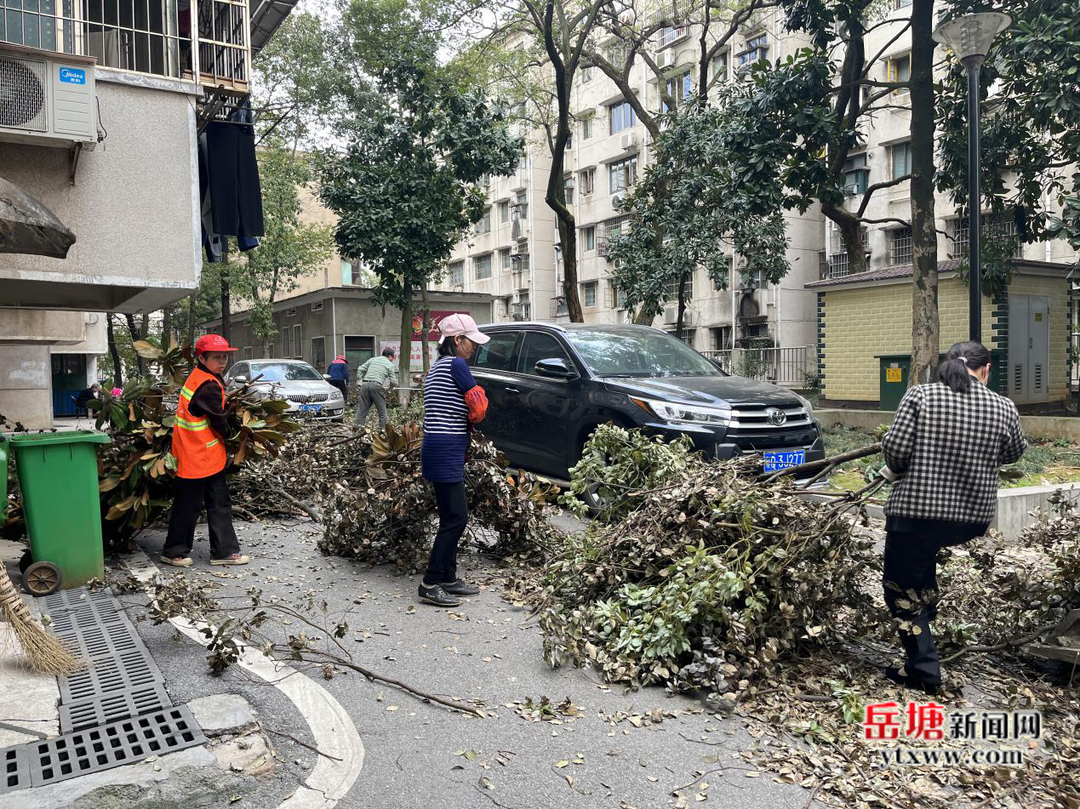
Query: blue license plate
310, 408
775, 461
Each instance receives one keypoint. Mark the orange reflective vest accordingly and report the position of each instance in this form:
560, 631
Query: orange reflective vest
199, 451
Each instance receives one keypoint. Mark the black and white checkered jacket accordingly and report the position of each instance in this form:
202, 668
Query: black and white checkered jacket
947, 447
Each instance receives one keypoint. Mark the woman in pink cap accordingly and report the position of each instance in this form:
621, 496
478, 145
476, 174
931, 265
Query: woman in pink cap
453, 402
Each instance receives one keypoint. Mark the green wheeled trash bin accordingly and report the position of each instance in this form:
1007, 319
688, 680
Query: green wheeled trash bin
58, 475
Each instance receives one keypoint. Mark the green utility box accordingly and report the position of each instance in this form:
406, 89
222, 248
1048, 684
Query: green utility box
58, 474
895, 368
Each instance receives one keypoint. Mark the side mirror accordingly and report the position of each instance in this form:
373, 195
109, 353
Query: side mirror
554, 368
326, 377
240, 380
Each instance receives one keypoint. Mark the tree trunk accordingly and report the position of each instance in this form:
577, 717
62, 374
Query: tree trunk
556, 188
191, 320
925, 337
682, 306
133, 332
405, 352
425, 327
114, 352
226, 305
166, 327
851, 232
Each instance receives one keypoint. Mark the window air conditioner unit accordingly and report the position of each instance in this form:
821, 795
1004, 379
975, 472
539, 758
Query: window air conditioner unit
617, 201
665, 59
671, 314
47, 99
627, 141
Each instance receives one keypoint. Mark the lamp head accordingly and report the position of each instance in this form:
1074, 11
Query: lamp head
969, 35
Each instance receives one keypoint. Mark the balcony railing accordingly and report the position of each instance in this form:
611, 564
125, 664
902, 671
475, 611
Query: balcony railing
781, 366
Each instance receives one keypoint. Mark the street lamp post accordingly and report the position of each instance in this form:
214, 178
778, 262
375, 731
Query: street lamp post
969, 37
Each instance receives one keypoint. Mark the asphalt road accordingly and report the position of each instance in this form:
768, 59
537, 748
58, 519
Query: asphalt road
421, 756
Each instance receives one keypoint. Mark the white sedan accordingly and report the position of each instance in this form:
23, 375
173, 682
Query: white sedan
306, 390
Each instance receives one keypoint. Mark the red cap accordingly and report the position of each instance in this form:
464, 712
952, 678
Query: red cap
341, 357
211, 342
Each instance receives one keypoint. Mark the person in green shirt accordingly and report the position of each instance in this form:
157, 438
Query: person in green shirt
374, 379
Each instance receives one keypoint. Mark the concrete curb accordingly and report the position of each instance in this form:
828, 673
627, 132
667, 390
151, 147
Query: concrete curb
332, 728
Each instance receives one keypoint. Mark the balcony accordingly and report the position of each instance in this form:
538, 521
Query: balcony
781, 366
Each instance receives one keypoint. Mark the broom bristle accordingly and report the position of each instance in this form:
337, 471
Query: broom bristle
45, 652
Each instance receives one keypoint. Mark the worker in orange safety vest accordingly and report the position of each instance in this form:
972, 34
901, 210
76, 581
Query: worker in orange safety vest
200, 431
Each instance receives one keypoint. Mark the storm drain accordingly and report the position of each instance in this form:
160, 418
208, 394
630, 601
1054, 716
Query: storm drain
16, 764
113, 707
114, 712
112, 745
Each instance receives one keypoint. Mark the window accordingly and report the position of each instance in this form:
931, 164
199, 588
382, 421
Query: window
586, 128
560, 308
457, 273
900, 246
898, 69
616, 298
622, 175
498, 353
482, 265
671, 289
998, 228
346, 272
687, 336
298, 345
678, 89
588, 293
650, 353
901, 159
568, 188
520, 208
856, 175
286, 342
504, 258
284, 371
539, 346
589, 238
752, 279
484, 225
622, 116
756, 51
318, 352
898, 4
721, 338
586, 75
720, 67
588, 181
504, 211
616, 54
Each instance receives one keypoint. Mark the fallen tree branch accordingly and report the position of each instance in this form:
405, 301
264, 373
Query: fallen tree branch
997, 647
310, 510
311, 747
416, 692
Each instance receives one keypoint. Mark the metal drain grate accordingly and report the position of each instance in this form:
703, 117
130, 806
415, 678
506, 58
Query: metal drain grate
101, 641
123, 672
101, 710
113, 745
16, 768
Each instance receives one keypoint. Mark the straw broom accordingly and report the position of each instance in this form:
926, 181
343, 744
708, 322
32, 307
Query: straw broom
45, 652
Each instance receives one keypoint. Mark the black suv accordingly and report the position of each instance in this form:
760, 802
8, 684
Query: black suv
550, 386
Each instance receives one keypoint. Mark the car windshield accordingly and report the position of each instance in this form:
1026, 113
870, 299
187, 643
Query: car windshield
284, 371
644, 353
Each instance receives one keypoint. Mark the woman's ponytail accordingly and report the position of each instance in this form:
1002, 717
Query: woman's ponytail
961, 358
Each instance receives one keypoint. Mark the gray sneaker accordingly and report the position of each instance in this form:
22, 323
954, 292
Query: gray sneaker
457, 587
435, 594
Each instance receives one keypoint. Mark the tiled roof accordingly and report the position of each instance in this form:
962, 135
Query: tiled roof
905, 270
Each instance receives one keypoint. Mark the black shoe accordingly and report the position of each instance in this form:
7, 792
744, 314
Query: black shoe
459, 588
893, 673
435, 594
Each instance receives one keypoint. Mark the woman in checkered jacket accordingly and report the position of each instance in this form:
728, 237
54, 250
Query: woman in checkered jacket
944, 448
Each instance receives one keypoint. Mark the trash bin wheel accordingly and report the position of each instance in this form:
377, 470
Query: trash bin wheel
42, 578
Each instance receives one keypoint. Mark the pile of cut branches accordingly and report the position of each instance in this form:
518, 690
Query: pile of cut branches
707, 583
386, 513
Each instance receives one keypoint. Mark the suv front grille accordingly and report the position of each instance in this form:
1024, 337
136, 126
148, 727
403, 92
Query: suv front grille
753, 430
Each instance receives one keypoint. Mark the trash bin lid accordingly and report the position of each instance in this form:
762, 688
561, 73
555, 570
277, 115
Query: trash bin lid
67, 437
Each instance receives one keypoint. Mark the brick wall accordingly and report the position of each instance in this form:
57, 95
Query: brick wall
860, 324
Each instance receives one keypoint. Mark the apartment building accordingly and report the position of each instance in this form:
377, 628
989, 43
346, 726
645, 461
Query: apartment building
514, 252
103, 108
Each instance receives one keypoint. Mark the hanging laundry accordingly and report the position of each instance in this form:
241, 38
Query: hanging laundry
233, 176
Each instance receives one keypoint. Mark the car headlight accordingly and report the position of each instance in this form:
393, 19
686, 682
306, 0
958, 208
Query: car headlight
674, 413
809, 407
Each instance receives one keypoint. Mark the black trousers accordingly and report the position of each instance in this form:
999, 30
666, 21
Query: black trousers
910, 581
453, 517
341, 386
192, 495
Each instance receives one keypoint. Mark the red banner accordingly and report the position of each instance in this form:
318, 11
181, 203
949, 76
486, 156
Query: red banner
434, 316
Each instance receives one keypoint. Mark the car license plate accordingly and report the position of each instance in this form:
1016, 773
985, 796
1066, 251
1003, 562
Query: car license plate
310, 408
775, 461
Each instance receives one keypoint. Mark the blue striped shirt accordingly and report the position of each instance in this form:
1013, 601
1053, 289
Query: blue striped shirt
446, 422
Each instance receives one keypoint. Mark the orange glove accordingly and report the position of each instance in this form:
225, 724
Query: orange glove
477, 402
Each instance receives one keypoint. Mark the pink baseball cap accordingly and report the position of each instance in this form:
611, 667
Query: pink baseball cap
453, 325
